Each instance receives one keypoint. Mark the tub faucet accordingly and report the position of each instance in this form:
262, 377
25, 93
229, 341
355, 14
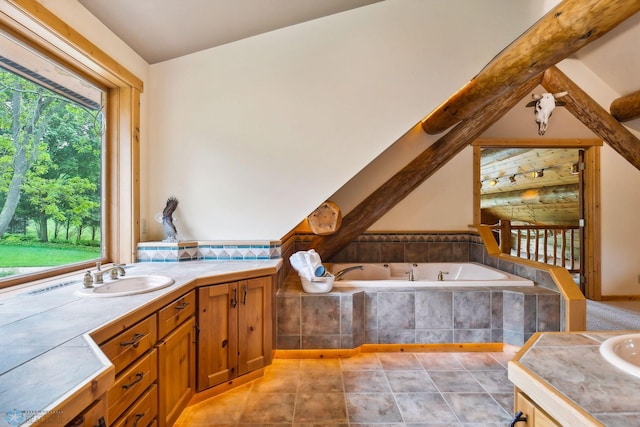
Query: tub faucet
113, 272
412, 276
342, 272
440, 275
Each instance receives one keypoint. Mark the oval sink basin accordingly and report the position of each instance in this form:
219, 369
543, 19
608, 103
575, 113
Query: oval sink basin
623, 352
130, 285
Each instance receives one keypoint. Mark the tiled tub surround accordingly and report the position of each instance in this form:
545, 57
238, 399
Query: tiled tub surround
346, 318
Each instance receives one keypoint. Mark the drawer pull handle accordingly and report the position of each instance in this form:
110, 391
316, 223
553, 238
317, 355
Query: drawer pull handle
182, 305
138, 417
139, 376
134, 341
519, 417
234, 298
244, 294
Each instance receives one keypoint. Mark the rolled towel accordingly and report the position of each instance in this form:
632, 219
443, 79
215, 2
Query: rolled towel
307, 263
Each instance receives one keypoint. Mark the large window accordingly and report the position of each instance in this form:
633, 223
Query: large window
51, 144
82, 183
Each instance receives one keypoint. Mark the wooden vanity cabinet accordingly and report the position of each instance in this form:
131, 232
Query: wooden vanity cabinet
177, 371
135, 359
536, 417
235, 330
155, 367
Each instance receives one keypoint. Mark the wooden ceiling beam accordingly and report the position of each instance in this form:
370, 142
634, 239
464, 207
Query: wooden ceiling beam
592, 115
548, 195
567, 28
389, 194
626, 107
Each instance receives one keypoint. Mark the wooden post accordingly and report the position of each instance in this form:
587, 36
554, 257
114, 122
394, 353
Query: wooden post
567, 28
596, 118
378, 203
505, 236
626, 107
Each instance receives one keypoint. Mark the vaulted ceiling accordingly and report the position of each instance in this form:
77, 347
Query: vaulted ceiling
159, 30
163, 29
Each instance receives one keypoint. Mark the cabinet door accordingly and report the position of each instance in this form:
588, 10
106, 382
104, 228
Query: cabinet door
177, 375
536, 417
218, 338
253, 319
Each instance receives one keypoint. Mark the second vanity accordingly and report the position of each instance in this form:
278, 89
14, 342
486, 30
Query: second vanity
561, 379
69, 359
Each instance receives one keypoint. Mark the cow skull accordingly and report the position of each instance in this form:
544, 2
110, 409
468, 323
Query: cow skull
545, 103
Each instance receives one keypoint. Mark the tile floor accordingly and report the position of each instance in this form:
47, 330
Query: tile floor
371, 389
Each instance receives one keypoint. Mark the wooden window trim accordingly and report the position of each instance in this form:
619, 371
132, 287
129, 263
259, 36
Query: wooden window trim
36, 26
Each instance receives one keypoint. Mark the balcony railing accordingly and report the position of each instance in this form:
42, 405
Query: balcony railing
550, 244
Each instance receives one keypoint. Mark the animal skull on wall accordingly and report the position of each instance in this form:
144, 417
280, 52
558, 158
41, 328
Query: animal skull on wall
545, 103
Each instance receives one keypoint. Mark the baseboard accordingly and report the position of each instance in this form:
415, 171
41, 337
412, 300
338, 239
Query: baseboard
619, 298
388, 348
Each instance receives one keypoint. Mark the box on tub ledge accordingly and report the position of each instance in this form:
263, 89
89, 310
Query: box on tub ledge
318, 285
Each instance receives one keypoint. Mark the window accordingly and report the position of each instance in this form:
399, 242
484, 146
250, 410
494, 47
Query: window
89, 163
51, 144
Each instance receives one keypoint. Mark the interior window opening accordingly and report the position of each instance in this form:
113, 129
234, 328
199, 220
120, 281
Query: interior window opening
52, 139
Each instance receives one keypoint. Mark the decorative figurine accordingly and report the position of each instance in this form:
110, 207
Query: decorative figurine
167, 220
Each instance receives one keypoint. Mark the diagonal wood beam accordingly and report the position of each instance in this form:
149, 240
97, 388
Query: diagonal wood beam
567, 28
417, 171
593, 116
626, 107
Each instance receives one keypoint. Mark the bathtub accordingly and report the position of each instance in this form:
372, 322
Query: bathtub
423, 275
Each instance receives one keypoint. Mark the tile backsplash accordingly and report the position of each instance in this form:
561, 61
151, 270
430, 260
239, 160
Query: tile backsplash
207, 250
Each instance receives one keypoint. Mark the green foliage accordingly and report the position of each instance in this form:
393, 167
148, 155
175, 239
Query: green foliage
53, 147
44, 254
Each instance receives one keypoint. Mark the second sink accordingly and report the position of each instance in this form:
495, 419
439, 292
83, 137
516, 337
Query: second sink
623, 352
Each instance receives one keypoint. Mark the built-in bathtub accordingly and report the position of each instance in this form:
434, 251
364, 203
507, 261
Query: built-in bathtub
419, 275
380, 305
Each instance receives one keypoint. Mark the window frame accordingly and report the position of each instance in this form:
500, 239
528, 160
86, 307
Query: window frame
34, 25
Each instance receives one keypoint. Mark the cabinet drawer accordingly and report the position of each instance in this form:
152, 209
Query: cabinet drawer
91, 416
130, 344
131, 383
176, 313
143, 412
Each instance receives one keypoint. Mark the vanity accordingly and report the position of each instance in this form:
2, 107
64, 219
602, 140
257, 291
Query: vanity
72, 359
561, 379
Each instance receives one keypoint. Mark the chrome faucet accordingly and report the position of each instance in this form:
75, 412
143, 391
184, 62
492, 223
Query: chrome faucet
412, 276
342, 272
113, 272
440, 275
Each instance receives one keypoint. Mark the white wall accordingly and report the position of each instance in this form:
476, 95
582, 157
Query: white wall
252, 136
620, 197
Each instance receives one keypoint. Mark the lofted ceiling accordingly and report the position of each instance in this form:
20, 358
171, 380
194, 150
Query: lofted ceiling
159, 30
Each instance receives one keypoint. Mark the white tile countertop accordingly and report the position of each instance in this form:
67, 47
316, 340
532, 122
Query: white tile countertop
46, 352
567, 377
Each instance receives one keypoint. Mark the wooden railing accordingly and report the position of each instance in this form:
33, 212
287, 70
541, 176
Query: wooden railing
550, 244
575, 304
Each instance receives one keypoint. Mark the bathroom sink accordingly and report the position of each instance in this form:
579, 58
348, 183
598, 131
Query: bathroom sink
130, 285
623, 352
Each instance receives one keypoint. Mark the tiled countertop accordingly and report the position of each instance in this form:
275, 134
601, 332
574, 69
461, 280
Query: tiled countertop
46, 353
566, 376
